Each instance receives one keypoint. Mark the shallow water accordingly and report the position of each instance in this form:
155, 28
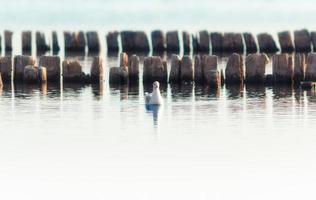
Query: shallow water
98, 142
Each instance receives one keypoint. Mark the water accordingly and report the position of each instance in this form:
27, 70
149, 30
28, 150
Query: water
96, 143
99, 142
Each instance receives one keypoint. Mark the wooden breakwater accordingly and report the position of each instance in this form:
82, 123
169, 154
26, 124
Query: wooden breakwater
171, 41
290, 66
25, 69
212, 42
287, 69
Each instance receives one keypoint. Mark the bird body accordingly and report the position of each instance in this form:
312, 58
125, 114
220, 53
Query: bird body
155, 97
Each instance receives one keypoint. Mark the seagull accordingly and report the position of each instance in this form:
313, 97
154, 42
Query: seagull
155, 97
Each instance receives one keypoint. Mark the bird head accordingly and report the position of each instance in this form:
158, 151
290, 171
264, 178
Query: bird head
156, 85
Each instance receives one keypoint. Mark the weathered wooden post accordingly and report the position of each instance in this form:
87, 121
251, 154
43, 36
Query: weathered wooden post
198, 69
75, 41
97, 70
34, 74
72, 72
194, 43
159, 68
55, 44
310, 73
93, 41
299, 68
1, 82
313, 39
186, 69
112, 41
133, 69
20, 62
285, 40
158, 41
26, 41
234, 71
217, 41
6, 68
42, 74
8, 40
53, 68
174, 76
134, 41
186, 38
232, 42
41, 44
211, 74
147, 70
251, 45
173, 44
123, 60
119, 75
283, 68
256, 68
266, 43
141, 41
302, 41
154, 70
203, 42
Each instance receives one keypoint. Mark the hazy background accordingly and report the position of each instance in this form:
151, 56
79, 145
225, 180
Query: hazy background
165, 14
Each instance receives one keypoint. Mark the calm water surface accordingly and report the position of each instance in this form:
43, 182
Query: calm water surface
99, 142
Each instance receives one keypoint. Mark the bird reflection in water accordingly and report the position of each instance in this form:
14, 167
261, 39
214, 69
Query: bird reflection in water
156, 112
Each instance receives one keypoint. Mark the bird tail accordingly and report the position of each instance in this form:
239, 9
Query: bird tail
147, 97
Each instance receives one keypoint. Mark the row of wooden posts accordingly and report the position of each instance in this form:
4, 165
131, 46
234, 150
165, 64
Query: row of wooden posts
287, 69
201, 69
203, 41
49, 69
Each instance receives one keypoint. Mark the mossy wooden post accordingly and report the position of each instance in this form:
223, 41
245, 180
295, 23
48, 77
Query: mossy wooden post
266, 43
283, 68
53, 67
20, 62
234, 71
173, 42
256, 67
174, 75
97, 70
6, 68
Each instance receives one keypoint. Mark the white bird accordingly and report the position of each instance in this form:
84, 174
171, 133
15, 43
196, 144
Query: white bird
155, 97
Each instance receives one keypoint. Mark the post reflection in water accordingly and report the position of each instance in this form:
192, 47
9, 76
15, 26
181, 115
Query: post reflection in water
97, 90
235, 91
1, 89
311, 96
43, 88
206, 92
177, 97
184, 90
25, 90
282, 91
255, 91
125, 91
